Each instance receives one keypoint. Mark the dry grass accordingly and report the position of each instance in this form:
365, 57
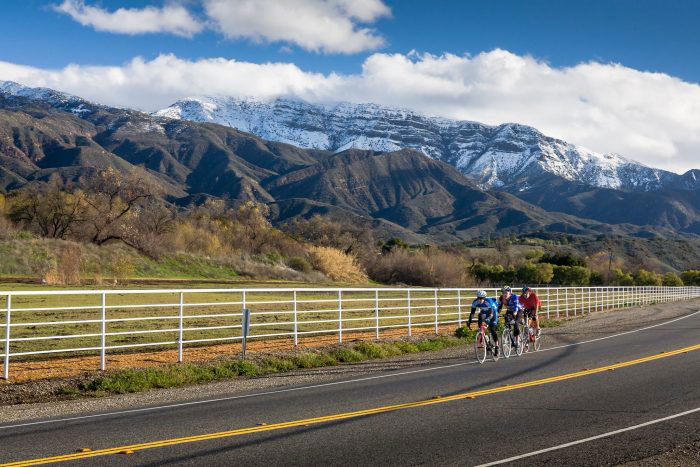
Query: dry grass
337, 265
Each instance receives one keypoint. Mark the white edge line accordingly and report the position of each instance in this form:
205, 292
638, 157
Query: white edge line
314, 386
592, 438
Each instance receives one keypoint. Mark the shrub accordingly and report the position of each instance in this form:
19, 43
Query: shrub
336, 264
299, 264
68, 264
428, 269
122, 268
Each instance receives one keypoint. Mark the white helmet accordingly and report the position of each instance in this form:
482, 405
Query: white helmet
480, 294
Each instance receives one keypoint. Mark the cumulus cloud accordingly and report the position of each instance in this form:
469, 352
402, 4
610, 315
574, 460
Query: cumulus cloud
172, 18
329, 26
650, 117
317, 25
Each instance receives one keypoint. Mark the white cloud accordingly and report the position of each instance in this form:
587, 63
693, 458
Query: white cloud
329, 26
171, 18
650, 117
317, 25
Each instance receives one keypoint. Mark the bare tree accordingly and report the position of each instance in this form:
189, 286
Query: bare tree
48, 210
113, 203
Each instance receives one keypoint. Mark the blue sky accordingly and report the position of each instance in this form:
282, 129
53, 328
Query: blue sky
641, 34
612, 75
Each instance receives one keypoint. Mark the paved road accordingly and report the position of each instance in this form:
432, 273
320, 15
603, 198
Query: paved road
465, 431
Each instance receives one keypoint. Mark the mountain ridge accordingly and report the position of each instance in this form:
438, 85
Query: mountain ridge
504, 156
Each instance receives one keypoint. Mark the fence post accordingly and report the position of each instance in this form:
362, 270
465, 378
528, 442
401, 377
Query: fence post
548, 301
574, 291
566, 297
296, 326
245, 328
590, 302
436, 312
376, 313
340, 316
459, 308
6, 368
181, 325
409, 312
103, 331
557, 302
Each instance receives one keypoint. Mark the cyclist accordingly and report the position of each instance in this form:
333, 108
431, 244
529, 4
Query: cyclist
513, 307
488, 311
531, 303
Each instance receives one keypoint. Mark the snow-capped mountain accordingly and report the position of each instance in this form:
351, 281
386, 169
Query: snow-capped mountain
508, 156
59, 99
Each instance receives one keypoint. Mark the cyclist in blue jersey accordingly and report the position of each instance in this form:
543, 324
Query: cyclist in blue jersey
488, 311
514, 308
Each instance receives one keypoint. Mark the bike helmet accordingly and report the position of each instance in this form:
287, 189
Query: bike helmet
505, 289
526, 289
480, 294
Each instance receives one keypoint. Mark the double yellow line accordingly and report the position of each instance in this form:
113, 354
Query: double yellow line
342, 416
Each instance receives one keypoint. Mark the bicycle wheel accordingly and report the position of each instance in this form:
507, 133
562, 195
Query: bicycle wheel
495, 356
519, 344
480, 347
538, 341
506, 343
525, 339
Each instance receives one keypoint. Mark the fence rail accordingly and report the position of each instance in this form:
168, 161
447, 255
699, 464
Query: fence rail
57, 323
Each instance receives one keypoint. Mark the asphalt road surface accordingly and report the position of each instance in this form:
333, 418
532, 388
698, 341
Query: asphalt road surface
454, 413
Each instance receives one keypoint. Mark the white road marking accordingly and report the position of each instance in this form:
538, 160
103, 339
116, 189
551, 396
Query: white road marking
314, 386
592, 438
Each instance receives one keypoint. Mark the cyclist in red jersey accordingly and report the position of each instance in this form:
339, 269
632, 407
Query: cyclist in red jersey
531, 303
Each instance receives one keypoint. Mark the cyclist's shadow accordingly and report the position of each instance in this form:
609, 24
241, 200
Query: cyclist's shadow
566, 351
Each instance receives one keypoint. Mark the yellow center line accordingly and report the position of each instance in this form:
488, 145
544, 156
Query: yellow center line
342, 416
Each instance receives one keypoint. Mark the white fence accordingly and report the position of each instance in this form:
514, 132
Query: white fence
38, 324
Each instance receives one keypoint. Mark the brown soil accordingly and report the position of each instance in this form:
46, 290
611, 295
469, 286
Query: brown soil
69, 367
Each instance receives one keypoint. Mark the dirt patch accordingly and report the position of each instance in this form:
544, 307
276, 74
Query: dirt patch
73, 367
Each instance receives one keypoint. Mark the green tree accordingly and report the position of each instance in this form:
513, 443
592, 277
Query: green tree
691, 277
529, 273
644, 277
621, 278
671, 279
571, 275
563, 259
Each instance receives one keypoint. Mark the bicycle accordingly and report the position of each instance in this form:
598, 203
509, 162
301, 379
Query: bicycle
508, 341
483, 345
531, 336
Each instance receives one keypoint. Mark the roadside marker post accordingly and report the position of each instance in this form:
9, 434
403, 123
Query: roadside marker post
245, 329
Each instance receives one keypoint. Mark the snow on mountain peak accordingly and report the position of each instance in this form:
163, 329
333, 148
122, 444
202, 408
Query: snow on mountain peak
496, 156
